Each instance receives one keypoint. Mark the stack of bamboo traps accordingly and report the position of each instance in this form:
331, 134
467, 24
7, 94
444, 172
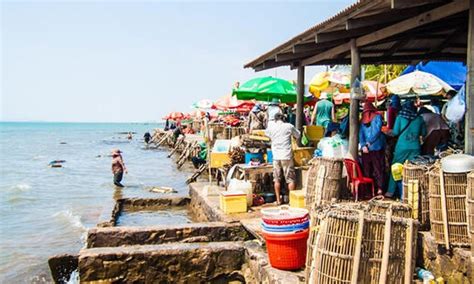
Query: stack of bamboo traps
358, 246
231, 132
448, 216
416, 192
324, 181
377, 205
470, 206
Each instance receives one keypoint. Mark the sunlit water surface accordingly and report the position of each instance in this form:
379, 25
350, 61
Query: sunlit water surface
46, 211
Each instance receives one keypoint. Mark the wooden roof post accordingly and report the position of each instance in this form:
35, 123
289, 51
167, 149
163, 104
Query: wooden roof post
300, 99
354, 109
469, 120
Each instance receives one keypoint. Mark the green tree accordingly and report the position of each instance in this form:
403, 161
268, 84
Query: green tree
383, 73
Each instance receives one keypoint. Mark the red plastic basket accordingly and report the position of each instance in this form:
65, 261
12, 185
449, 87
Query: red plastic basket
287, 251
290, 221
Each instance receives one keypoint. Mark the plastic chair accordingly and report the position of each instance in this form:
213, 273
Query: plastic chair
354, 173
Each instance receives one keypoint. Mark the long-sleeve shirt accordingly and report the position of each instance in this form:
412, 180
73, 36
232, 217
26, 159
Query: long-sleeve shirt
280, 133
410, 138
371, 134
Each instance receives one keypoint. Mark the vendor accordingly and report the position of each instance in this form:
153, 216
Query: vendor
409, 128
372, 144
273, 109
392, 111
257, 118
201, 155
437, 132
280, 134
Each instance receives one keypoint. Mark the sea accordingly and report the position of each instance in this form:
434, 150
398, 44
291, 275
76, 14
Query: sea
46, 211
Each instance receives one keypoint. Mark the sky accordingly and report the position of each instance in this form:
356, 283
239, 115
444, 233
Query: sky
136, 61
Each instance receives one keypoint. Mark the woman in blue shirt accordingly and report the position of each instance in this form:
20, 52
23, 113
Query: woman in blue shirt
372, 144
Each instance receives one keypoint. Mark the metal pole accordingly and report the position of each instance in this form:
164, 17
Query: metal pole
354, 108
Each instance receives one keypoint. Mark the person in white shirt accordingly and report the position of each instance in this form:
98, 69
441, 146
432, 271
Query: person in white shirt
280, 134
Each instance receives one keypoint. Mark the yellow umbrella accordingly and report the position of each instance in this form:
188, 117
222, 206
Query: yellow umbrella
330, 82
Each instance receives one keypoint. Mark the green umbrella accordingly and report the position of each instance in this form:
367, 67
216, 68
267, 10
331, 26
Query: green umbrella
267, 89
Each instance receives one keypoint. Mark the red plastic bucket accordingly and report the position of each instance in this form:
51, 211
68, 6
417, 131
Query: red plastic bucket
287, 251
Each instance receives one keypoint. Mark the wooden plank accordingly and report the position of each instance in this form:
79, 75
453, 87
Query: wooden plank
409, 253
401, 4
386, 247
343, 34
469, 120
406, 25
389, 17
316, 47
444, 212
354, 104
319, 185
300, 100
358, 249
293, 56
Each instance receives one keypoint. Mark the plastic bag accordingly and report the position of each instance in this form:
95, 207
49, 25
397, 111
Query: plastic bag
456, 107
333, 147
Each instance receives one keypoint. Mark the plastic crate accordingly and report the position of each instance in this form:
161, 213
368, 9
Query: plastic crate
233, 202
297, 199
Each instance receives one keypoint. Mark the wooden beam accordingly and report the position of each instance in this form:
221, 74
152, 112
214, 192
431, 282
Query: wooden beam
399, 44
389, 17
354, 103
300, 99
395, 59
469, 119
401, 4
293, 56
311, 46
446, 42
403, 26
343, 34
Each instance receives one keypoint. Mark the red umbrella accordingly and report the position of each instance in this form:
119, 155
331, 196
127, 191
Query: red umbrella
230, 102
176, 115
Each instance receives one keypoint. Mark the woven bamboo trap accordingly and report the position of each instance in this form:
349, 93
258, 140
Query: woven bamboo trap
382, 206
448, 216
470, 206
356, 246
416, 192
323, 184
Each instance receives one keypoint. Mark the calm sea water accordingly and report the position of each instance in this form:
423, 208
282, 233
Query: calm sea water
46, 211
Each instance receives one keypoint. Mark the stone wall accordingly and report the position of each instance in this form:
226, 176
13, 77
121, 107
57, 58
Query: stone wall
181, 263
61, 267
200, 208
134, 204
153, 235
455, 266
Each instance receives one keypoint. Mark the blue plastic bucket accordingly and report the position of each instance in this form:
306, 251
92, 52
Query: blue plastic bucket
285, 228
269, 156
253, 156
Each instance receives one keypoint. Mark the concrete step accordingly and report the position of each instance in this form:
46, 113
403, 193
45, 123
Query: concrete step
166, 263
154, 235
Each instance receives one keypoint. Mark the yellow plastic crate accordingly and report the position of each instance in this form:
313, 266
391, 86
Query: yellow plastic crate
218, 160
233, 202
297, 199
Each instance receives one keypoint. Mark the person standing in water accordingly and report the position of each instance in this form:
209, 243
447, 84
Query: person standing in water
147, 137
118, 167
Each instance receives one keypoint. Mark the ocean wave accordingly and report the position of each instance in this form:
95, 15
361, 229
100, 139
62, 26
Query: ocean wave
70, 218
21, 187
